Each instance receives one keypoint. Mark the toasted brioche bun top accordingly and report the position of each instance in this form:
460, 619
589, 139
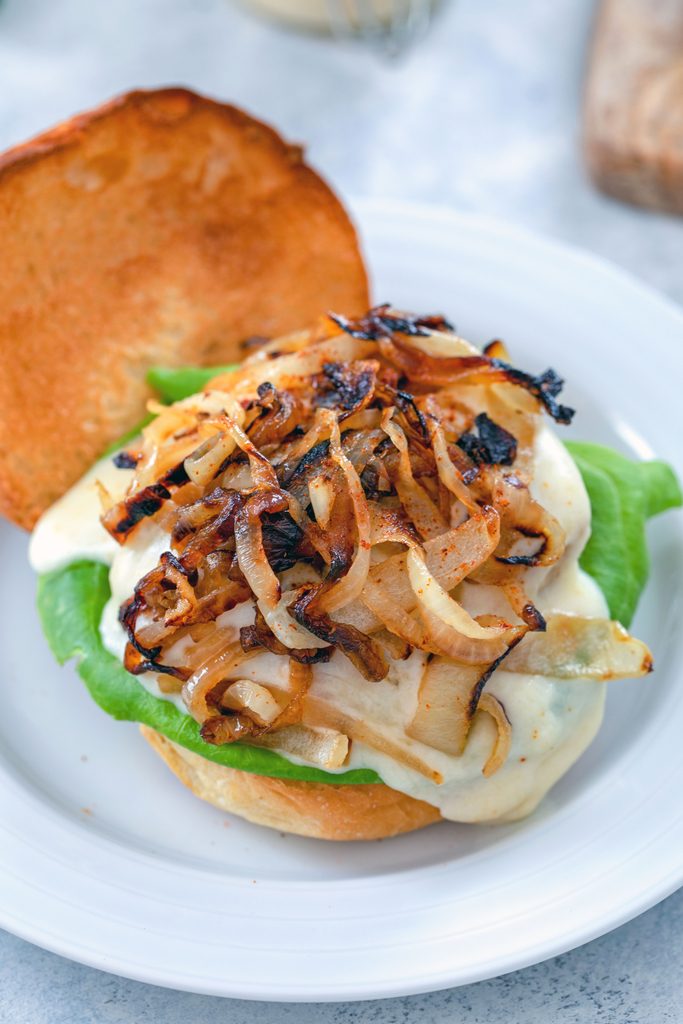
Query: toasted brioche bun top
161, 228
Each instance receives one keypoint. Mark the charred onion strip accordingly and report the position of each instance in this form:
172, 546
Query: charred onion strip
263, 474
348, 579
523, 520
545, 387
125, 516
279, 415
126, 459
171, 592
288, 458
260, 635
491, 445
420, 508
394, 336
287, 370
381, 322
359, 648
448, 474
347, 387
523, 607
347, 575
139, 656
249, 547
205, 522
136, 663
490, 705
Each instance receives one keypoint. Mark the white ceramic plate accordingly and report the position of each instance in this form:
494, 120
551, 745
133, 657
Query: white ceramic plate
105, 858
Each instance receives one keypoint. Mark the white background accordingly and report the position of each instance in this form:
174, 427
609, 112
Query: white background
483, 115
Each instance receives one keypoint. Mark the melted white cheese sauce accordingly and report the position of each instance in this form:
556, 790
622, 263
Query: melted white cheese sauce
71, 528
553, 721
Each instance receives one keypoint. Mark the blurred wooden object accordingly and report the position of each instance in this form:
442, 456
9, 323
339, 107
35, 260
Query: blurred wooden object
633, 111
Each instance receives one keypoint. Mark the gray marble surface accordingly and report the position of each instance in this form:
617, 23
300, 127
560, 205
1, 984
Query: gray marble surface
483, 115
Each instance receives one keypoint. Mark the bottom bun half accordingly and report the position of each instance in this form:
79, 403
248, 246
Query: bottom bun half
319, 810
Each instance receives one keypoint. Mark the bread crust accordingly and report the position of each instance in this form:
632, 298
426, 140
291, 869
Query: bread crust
161, 228
312, 809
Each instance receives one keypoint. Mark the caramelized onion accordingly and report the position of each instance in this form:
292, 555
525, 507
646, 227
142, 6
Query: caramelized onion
448, 475
289, 371
254, 699
289, 457
345, 481
322, 713
204, 689
324, 748
523, 517
429, 371
490, 705
249, 548
322, 495
279, 414
450, 558
291, 632
177, 430
261, 635
300, 677
361, 651
347, 387
448, 622
574, 647
348, 587
204, 463
391, 615
263, 474
421, 510
220, 729
389, 526
121, 519
443, 716
382, 321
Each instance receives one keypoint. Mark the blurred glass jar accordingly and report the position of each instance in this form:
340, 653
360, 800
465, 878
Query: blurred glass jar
367, 18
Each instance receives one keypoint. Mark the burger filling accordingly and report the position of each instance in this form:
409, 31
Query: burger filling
361, 550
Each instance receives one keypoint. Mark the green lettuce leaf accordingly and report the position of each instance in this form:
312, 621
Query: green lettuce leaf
173, 384
70, 603
623, 494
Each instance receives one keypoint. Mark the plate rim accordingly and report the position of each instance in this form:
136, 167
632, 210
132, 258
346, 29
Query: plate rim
361, 206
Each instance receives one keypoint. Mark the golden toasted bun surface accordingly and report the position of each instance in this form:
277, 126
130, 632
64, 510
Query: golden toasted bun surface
160, 228
306, 808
